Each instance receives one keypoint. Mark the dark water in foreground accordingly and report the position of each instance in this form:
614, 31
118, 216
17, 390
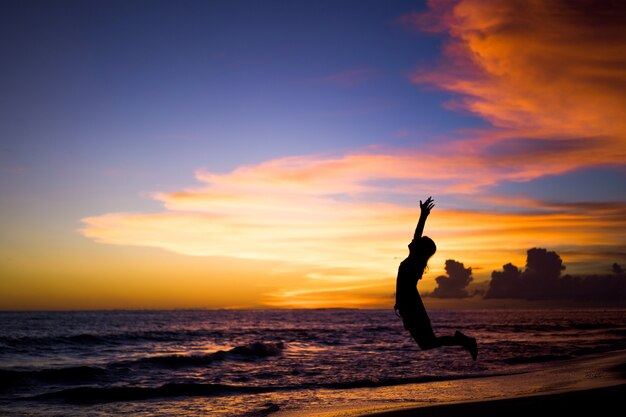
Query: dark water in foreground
254, 362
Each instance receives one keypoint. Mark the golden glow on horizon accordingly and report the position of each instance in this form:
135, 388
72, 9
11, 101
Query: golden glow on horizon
79, 276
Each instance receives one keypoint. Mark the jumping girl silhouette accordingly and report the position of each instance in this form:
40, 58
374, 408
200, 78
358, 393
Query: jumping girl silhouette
409, 304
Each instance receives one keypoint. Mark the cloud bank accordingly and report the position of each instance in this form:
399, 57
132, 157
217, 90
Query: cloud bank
542, 280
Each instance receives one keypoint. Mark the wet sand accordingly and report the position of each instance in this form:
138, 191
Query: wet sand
577, 403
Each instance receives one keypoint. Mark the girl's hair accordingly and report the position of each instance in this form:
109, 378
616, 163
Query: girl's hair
422, 248
429, 247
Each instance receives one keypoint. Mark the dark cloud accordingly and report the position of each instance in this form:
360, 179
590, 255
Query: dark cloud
454, 285
506, 283
542, 280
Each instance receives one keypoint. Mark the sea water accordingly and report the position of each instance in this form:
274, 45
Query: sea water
255, 362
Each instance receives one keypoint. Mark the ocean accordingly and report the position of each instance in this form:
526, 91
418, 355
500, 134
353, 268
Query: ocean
256, 362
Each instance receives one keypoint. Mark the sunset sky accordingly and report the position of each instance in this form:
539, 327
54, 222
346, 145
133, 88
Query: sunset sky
273, 154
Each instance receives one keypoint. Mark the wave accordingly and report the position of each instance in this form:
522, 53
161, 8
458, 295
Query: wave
388, 382
618, 332
320, 335
73, 374
90, 374
268, 408
91, 395
88, 395
523, 328
536, 359
83, 339
250, 352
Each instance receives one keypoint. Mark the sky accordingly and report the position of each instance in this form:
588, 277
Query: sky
240, 154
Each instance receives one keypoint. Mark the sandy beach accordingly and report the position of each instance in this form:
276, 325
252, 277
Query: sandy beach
573, 387
575, 403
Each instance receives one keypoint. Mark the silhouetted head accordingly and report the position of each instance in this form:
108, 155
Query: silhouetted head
422, 249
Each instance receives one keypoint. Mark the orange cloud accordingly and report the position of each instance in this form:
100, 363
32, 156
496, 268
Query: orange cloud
549, 75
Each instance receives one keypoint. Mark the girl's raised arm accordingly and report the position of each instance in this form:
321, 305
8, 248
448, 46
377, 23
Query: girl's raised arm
426, 206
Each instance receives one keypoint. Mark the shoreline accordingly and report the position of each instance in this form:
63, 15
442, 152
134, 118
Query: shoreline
576, 386
572, 403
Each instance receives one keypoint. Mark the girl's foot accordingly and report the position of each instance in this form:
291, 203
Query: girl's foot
469, 343
472, 346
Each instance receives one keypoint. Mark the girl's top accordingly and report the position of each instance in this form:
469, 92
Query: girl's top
408, 301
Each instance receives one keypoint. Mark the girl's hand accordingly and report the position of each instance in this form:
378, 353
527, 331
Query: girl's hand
427, 205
